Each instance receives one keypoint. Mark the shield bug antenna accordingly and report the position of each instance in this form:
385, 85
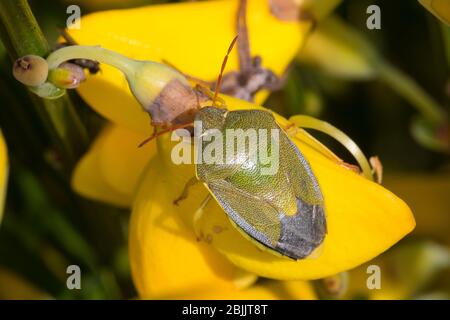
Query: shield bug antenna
160, 133
222, 69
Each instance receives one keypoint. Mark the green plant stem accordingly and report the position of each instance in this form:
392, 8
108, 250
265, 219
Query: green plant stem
96, 53
23, 30
410, 90
21, 35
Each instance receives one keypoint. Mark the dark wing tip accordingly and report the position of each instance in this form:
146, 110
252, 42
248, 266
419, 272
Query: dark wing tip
302, 232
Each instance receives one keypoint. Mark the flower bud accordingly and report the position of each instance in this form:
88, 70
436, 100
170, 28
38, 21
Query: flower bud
67, 75
31, 70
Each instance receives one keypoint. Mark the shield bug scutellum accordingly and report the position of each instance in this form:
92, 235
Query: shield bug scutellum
282, 212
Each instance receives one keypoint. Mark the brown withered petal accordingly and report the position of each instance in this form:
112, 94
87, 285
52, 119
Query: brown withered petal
166, 109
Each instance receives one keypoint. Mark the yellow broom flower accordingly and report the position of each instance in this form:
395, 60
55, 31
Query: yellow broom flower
364, 219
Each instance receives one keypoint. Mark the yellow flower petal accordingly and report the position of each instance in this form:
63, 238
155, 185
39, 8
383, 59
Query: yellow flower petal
88, 182
122, 161
363, 218
4, 168
185, 35
166, 258
110, 170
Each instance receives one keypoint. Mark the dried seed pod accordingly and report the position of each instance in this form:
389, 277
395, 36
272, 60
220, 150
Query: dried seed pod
31, 70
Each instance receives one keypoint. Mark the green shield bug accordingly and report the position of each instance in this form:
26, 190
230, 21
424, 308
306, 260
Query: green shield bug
281, 210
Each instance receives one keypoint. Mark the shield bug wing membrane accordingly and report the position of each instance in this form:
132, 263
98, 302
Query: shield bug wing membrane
283, 211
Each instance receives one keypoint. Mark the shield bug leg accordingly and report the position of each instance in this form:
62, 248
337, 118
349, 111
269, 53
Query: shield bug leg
143, 143
185, 193
377, 168
207, 92
291, 129
198, 215
157, 133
